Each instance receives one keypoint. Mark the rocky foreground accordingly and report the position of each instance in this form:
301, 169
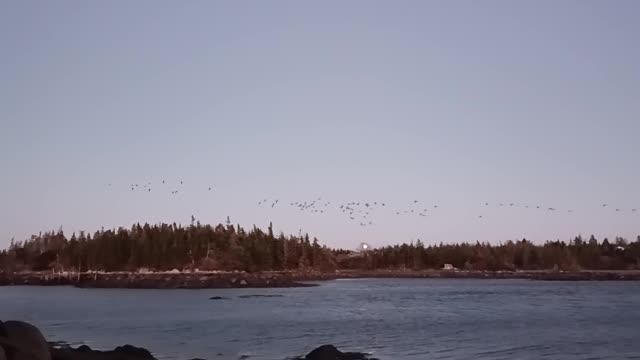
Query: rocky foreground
22, 341
128, 352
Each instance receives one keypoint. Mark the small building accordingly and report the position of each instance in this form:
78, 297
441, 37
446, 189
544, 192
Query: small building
448, 267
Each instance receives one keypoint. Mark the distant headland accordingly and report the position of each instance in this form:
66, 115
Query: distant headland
226, 255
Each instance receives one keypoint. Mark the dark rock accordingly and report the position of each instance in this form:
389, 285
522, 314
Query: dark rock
134, 352
324, 352
330, 352
217, 298
84, 352
21, 341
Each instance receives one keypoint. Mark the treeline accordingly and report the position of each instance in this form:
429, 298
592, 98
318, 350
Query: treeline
228, 247
166, 247
576, 254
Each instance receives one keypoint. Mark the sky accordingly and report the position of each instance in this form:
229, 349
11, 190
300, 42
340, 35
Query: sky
451, 103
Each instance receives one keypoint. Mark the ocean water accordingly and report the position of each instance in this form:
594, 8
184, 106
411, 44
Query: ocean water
399, 319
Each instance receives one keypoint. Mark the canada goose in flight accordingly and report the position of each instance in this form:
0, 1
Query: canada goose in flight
181, 182
149, 190
209, 188
634, 209
604, 205
617, 209
480, 217
415, 201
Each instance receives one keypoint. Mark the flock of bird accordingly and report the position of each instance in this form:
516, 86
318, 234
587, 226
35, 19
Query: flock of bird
359, 212
146, 187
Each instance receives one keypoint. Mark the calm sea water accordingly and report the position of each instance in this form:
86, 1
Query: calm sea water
392, 319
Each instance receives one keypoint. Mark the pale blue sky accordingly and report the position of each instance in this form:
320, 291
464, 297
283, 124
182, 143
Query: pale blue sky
449, 102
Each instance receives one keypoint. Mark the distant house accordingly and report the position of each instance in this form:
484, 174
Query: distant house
448, 267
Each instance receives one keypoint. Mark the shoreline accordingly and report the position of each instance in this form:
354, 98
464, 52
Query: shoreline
222, 280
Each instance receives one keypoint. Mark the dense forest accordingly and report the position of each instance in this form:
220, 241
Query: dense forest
229, 247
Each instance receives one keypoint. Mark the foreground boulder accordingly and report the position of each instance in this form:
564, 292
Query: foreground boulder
330, 352
84, 352
22, 341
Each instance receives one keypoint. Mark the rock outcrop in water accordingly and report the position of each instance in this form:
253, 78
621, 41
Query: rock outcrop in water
330, 352
126, 352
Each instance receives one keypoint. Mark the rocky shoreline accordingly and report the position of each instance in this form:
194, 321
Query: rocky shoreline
217, 280
129, 352
23, 341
